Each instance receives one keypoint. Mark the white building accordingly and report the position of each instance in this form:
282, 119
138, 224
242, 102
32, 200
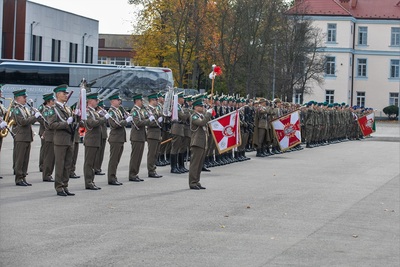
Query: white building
362, 49
43, 33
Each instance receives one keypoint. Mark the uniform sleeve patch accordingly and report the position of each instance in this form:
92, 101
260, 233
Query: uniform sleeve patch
134, 113
16, 111
112, 113
51, 112
195, 117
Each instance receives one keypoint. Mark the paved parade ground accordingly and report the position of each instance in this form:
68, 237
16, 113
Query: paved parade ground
335, 205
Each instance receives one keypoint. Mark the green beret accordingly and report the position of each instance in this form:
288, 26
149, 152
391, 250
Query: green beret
48, 97
20, 93
325, 103
343, 104
92, 96
61, 88
330, 105
198, 102
137, 97
152, 96
114, 96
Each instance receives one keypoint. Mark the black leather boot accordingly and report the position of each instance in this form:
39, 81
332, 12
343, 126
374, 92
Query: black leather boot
174, 164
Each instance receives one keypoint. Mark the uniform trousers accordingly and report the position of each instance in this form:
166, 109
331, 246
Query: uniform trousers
116, 150
63, 161
22, 151
153, 146
136, 158
100, 155
177, 144
42, 153
261, 137
48, 160
88, 165
196, 164
75, 147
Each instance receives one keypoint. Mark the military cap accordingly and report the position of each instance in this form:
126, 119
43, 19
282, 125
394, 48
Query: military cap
152, 96
137, 97
180, 94
92, 96
262, 100
101, 103
343, 104
330, 105
198, 102
114, 96
277, 100
161, 94
325, 103
188, 98
47, 97
20, 93
61, 88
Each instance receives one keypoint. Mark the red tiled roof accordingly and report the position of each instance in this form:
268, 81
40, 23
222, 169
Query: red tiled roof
371, 9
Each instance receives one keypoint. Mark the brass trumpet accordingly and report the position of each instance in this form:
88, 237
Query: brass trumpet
8, 120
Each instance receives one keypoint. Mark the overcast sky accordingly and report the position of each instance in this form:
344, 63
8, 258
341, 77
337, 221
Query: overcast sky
114, 16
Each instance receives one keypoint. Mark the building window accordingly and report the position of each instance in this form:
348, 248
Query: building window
395, 37
330, 96
37, 48
394, 99
73, 53
122, 61
55, 50
297, 98
102, 60
331, 32
394, 68
89, 54
362, 35
330, 66
361, 99
362, 67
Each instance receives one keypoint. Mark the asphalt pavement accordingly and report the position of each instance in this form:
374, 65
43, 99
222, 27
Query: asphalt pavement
335, 205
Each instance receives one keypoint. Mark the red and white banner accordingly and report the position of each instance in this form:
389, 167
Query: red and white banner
366, 124
287, 130
226, 131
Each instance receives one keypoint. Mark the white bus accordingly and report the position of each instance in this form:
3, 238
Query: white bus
40, 78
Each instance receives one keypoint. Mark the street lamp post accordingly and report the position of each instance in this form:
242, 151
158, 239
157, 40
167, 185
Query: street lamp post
83, 47
15, 29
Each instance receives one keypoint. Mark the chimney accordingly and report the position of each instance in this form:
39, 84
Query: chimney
354, 3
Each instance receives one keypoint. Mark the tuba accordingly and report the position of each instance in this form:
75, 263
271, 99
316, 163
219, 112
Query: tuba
10, 122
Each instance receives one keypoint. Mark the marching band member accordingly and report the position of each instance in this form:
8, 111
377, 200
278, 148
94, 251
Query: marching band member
100, 156
48, 135
61, 121
153, 136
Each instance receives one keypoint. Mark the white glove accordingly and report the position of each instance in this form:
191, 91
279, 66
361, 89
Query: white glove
70, 120
129, 119
3, 125
107, 116
37, 115
151, 118
160, 119
210, 110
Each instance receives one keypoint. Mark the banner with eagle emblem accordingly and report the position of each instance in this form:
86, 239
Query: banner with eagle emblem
287, 130
226, 131
366, 124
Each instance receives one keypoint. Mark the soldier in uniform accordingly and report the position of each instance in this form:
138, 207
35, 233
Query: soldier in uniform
141, 119
42, 128
153, 136
61, 121
117, 137
178, 136
198, 143
75, 147
93, 139
100, 156
23, 136
48, 134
